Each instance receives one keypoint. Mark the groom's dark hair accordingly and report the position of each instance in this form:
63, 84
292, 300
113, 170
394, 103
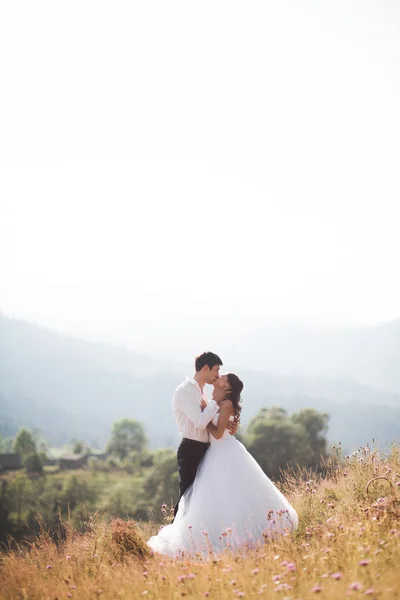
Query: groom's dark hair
207, 358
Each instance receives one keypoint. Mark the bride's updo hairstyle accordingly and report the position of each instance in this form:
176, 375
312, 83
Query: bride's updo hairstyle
233, 393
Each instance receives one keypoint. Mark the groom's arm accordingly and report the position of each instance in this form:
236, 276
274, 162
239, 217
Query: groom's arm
189, 404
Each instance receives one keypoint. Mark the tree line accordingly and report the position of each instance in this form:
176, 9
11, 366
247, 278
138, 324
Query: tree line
134, 481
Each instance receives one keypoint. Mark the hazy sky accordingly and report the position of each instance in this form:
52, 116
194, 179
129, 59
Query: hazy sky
233, 158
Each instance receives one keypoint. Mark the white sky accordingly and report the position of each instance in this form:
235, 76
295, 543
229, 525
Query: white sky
165, 158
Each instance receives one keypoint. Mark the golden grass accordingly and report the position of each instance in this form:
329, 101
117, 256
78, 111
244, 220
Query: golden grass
347, 544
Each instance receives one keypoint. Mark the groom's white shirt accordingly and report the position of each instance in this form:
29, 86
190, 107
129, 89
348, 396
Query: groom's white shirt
191, 420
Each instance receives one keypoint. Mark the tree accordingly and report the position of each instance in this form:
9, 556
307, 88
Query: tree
278, 441
316, 425
78, 447
161, 485
24, 443
6, 444
33, 464
127, 436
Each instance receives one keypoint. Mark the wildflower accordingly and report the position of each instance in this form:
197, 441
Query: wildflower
145, 573
240, 594
72, 587
316, 589
309, 531
356, 586
206, 594
283, 586
204, 532
369, 592
255, 571
364, 563
276, 577
291, 566
68, 557
181, 577
336, 576
69, 595
49, 567
233, 582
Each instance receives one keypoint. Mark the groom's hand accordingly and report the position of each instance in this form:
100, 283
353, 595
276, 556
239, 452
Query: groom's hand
203, 404
232, 427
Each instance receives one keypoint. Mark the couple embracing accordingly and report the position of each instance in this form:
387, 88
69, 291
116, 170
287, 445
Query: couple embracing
226, 500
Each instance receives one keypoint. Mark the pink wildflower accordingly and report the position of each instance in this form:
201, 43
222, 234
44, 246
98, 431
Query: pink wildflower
364, 563
336, 576
316, 589
356, 586
283, 586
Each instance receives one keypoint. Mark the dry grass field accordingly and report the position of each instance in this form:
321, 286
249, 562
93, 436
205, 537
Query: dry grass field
347, 544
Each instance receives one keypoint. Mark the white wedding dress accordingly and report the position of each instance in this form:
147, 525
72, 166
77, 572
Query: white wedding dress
231, 505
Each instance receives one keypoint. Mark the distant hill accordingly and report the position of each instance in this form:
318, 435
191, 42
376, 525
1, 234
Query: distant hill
368, 355
73, 388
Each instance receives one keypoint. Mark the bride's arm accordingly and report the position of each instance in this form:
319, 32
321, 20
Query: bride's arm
225, 411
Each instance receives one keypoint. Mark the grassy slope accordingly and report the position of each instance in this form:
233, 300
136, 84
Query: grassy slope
344, 546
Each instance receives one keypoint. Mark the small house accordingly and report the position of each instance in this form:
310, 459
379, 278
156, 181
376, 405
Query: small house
74, 461
10, 462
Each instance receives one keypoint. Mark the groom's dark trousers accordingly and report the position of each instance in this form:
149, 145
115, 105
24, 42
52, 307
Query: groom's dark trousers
190, 454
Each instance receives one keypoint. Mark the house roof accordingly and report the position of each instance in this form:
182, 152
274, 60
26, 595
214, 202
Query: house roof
73, 457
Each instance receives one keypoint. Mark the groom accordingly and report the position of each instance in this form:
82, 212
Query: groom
193, 414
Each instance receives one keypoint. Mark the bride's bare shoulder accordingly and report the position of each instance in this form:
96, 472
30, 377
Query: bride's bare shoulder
227, 404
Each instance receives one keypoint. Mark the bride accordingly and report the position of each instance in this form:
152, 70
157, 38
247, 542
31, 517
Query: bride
232, 504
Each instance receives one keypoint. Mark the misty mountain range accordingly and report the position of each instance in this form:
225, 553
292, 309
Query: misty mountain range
71, 388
